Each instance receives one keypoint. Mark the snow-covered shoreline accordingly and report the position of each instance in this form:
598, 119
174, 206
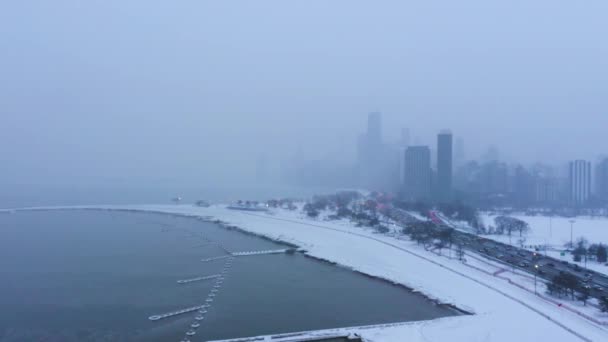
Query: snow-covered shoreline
502, 312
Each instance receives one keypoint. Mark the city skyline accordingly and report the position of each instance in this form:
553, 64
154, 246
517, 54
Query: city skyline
536, 91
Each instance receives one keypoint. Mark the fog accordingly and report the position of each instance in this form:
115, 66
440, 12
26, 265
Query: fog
143, 91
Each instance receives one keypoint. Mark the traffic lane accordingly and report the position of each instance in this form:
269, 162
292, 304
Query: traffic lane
545, 272
517, 256
536, 257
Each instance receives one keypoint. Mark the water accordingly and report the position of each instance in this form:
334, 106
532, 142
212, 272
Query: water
98, 276
24, 196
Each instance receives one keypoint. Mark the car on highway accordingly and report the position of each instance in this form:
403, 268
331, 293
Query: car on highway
550, 265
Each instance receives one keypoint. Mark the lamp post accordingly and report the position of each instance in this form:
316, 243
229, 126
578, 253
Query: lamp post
535, 272
571, 235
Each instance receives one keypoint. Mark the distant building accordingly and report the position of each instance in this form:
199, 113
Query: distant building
522, 186
601, 179
459, 154
579, 181
491, 155
371, 154
417, 173
494, 178
546, 190
444, 165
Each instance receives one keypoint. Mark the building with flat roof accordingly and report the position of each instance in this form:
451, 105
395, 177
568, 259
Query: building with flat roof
579, 181
417, 173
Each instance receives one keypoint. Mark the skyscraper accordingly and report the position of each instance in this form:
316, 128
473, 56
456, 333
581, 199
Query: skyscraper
444, 165
417, 173
579, 181
371, 154
601, 179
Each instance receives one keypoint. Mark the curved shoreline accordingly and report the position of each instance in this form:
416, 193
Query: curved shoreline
210, 219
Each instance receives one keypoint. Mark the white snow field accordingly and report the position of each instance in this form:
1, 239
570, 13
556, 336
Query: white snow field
501, 312
555, 231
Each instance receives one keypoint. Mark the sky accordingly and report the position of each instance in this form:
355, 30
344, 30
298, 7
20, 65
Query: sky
120, 91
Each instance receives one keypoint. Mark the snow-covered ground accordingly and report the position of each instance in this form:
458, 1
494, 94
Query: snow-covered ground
555, 231
502, 312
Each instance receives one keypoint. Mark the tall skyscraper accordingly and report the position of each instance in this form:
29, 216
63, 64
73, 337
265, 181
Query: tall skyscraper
601, 179
370, 152
417, 173
579, 181
444, 165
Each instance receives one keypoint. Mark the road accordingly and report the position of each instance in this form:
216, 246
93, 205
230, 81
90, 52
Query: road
514, 257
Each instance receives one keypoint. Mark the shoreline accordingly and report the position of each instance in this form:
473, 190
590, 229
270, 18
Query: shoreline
225, 225
401, 263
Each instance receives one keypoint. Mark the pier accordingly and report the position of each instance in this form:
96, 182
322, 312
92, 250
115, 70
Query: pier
186, 281
270, 251
174, 313
216, 258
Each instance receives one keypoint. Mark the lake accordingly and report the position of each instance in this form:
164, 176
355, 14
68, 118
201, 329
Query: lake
84, 275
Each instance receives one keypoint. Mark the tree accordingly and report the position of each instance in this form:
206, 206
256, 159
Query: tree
581, 250
510, 224
604, 304
592, 251
582, 243
521, 226
460, 251
344, 212
313, 213
446, 237
374, 221
583, 294
311, 210
564, 283
602, 255
382, 229
521, 242
553, 288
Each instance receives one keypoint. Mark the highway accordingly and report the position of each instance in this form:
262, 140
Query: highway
514, 257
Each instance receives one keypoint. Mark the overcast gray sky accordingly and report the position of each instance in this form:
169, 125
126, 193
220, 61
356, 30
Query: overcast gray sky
105, 90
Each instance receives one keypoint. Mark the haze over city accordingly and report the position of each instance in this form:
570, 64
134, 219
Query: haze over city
99, 92
319, 170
